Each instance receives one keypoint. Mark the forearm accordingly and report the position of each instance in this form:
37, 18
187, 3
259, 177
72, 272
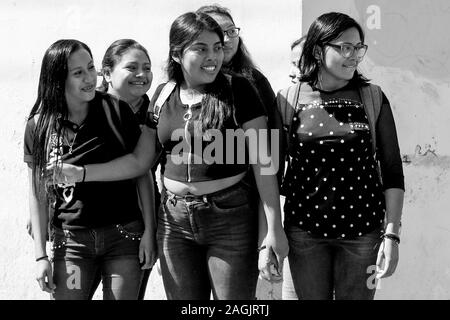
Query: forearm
394, 206
128, 166
145, 187
262, 223
39, 222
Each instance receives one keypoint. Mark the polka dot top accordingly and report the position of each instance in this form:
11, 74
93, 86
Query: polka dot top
332, 185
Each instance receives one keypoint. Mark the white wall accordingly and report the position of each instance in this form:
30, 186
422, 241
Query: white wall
29, 27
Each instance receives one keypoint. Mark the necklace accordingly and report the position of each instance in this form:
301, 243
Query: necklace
75, 129
73, 141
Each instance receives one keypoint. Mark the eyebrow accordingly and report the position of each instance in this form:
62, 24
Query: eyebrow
79, 67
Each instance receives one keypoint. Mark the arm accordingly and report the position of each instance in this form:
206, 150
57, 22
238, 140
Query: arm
39, 221
126, 167
270, 226
393, 182
147, 247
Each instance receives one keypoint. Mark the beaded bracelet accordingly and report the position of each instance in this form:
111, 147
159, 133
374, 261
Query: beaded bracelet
42, 258
391, 236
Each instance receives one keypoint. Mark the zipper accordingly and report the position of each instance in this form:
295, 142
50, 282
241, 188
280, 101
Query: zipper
187, 117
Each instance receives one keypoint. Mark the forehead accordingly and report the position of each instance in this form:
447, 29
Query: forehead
134, 55
79, 58
222, 20
350, 35
207, 37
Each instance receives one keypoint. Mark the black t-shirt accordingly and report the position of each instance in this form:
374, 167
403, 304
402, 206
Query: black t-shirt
332, 185
247, 106
92, 204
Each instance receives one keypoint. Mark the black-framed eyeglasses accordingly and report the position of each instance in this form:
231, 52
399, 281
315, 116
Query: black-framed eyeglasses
347, 50
232, 32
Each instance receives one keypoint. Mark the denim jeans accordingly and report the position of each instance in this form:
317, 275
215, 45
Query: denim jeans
82, 257
326, 268
209, 243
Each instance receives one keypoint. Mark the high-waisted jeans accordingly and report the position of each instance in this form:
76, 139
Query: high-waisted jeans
82, 257
333, 268
209, 244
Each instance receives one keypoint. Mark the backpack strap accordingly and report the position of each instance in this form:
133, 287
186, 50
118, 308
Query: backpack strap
163, 96
372, 99
287, 100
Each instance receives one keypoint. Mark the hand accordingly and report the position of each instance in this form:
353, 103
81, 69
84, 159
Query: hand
270, 268
44, 272
64, 172
277, 242
148, 253
388, 253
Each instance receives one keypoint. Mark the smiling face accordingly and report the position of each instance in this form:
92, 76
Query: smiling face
81, 79
335, 68
230, 44
131, 77
201, 60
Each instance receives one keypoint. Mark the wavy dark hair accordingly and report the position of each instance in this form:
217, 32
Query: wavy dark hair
113, 55
217, 104
50, 105
241, 63
325, 28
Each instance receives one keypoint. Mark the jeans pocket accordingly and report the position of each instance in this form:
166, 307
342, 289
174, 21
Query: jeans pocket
300, 240
132, 230
231, 200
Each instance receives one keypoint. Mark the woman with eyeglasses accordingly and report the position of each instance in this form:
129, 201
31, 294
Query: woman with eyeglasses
208, 221
342, 218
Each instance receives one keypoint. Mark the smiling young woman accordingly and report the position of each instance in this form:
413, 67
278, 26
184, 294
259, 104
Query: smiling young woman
97, 229
337, 207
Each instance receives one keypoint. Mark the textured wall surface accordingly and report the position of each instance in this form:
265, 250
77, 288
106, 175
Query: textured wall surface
29, 27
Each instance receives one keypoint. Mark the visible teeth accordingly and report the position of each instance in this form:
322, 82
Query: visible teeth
138, 82
211, 68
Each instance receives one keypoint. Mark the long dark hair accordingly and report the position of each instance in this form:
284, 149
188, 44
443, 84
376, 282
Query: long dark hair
241, 63
50, 105
114, 53
325, 28
217, 106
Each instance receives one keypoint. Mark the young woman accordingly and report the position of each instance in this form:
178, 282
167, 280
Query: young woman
336, 206
97, 227
127, 74
207, 229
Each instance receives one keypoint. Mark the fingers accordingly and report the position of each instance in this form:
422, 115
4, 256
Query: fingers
46, 286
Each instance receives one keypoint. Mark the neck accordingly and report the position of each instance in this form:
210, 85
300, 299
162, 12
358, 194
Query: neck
327, 83
135, 104
77, 114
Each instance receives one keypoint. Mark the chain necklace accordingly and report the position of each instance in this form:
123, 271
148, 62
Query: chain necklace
75, 131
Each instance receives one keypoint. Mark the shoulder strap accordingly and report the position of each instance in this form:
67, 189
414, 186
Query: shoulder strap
372, 99
287, 101
163, 95
108, 104
229, 78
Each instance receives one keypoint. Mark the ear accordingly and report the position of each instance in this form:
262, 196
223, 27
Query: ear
106, 72
318, 52
176, 58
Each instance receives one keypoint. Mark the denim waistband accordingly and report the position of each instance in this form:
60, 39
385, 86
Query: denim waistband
203, 197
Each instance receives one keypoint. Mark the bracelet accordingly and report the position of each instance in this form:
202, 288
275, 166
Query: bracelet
84, 173
262, 248
42, 258
391, 236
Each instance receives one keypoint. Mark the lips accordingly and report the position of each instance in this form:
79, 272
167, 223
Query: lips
138, 83
88, 88
211, 68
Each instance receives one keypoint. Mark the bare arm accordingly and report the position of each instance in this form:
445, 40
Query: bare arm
147, 248
128, 166
39, 222
265, 169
